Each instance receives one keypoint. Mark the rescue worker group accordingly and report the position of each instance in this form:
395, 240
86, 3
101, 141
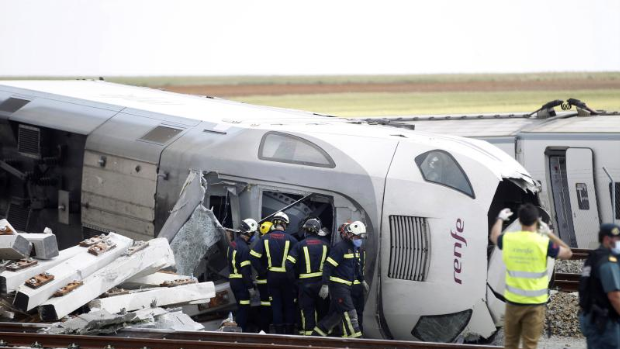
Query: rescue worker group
306, 287
311, 288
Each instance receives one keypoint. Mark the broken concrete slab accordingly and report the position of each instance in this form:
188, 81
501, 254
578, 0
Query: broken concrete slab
95, 322
192, 195
45, 246
151, 257
195, 238
76, 268
152, 280
176, 321
14, 247
11, 280
156, 297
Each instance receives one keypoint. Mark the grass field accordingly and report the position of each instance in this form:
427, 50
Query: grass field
384, 104
367, 95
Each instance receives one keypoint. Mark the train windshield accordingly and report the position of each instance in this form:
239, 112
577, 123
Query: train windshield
438, 166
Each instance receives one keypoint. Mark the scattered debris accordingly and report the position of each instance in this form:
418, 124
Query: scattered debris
77, 267
109, 281
186, 294
154, 256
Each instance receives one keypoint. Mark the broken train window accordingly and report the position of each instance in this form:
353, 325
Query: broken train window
438, 166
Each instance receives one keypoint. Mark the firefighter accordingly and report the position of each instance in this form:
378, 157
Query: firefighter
358, 290
261, 284
338, 277
269, 257
240, 272
306, 260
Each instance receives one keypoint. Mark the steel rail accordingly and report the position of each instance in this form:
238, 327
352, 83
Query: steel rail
580, 253
238, 340
566, 282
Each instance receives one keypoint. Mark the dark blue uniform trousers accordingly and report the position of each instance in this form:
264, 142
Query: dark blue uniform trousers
282, 295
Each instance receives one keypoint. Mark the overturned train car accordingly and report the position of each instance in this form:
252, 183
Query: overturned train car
84, 157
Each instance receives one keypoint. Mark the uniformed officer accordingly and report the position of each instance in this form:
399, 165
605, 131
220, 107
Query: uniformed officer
269, 256
338, 277
599, 291
261, 284
240, 272
306, 260
525, 255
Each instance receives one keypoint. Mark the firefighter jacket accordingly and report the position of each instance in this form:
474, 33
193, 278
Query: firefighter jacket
341, 265
238, 256
308, 256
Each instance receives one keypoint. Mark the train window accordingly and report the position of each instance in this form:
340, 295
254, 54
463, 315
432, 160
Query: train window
582, 196
281, 147
438, 166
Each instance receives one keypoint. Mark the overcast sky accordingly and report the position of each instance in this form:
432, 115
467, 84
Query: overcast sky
288, 37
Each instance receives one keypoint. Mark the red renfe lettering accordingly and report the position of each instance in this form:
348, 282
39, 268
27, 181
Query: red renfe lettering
459, 241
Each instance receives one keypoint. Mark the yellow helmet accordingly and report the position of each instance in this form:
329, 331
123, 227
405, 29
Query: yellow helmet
265, 227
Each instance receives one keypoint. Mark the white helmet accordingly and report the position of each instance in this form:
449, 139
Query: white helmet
356, 228
280, 217
249, 225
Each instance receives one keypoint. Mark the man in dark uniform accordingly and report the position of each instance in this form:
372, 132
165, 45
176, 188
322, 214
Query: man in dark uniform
306, 260
339, 274
358, 290
240, 273
261, 284
599, 291
271, 252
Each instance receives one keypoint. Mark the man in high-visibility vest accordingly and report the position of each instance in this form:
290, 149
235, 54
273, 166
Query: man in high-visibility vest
525, 254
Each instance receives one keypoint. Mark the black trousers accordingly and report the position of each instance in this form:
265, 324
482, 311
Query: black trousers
265, 306
281, 291
309, 303
341, 309
357, 295
242, 295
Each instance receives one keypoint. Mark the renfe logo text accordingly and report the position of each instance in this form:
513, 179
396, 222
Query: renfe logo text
459, 241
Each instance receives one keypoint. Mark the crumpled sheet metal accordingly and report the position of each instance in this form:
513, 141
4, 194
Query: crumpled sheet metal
194, 239
191, 196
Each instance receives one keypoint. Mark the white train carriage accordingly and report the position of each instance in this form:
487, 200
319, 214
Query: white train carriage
89, 156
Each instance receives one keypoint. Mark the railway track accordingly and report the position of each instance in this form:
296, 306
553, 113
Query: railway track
566, 282
14, 335
580, 253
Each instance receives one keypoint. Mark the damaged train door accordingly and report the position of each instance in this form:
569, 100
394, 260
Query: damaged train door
571, 174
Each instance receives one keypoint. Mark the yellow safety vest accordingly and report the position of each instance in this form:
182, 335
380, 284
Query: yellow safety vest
525, 257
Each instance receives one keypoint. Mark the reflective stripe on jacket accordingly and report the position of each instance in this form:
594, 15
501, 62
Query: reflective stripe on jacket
525, 257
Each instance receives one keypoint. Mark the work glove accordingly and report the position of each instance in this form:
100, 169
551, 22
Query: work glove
324, 292
504, 214
543, 228
366, 287
252, 292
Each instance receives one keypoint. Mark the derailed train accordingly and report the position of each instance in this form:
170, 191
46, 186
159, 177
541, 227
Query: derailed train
83, 157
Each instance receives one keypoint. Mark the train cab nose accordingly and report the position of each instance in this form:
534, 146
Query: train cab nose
434, 240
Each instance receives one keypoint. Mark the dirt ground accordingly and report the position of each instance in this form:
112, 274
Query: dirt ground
473, 86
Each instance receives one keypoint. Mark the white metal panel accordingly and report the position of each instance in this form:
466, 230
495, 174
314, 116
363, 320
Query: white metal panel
580, 174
